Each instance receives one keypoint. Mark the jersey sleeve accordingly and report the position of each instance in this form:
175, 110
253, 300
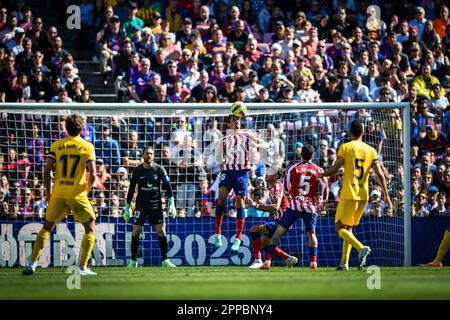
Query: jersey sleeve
342, 151
52, 152
91, 153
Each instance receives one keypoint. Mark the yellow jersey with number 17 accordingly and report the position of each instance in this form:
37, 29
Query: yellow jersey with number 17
358, 158
70, 155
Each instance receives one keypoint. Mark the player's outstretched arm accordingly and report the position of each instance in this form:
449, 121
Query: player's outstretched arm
92, 174
333, 169
48, 177
382, 180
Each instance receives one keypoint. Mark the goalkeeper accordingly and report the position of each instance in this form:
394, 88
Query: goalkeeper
148, 176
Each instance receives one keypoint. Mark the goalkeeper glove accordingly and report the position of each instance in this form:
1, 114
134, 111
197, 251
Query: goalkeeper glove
172, 209
126, 213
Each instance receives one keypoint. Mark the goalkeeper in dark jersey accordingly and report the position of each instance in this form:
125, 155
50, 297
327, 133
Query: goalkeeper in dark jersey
148, 177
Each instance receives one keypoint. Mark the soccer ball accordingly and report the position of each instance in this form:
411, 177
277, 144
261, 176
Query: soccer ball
238, 109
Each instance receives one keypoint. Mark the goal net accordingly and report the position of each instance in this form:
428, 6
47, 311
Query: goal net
184, 139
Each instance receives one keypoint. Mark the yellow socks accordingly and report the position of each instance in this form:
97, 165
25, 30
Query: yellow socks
348, 236
346, 248
443, 248
39, 244
86, 249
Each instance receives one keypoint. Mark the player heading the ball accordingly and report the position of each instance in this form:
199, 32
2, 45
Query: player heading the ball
233, 154
68, 157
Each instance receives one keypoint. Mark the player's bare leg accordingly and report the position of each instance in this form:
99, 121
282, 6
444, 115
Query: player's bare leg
87, 244
240, 221
39, 244
221, 202
161, 230
137, 230
313, 244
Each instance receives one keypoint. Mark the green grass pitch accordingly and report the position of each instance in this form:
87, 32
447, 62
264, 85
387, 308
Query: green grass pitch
232, 283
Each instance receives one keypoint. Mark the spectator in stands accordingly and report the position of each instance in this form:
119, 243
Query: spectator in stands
420, 81
435, 140
385, 83
362, 66
37, 35
265, 15
429, 36
184, 35
40, 87
419, 21
141, 80
238, 36
431, 202
419, 209
12, 91
441, 210
132, 153
438, 102
442, 21
110, 45
108, 150
357, 92
9, 31
375, 27
189, 162
172, 50
132, 22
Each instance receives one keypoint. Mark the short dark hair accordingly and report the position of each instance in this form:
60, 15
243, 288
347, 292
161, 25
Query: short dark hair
307, 152
356, 128
74, 124
149, 146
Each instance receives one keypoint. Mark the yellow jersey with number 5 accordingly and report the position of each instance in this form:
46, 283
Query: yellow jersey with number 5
358, 158
70, 155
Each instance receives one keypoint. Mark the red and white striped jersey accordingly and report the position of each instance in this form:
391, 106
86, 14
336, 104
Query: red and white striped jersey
276, 192
235, 148
302, 184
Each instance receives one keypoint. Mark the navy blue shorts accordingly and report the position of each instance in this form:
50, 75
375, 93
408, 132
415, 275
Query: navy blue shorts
290, 216
236, 180
271, 226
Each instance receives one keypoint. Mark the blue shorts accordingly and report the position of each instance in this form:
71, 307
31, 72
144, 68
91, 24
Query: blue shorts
236, 180
271, 226
290, 216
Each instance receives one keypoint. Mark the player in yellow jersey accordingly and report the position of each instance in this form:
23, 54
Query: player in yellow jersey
357, 157
68, 157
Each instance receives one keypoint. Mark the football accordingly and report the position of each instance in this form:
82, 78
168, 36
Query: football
238, 109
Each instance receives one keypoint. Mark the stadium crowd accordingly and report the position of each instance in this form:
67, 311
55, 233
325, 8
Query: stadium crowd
179, 51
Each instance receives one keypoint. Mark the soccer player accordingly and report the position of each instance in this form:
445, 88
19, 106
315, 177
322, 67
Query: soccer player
235, 148
357, 157
442, 251
302, 184
278, 203
148, 177
68, 157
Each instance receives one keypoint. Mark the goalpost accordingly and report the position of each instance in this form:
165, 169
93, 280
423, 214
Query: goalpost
28, 130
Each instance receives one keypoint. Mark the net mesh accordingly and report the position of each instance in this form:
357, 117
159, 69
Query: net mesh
182, 137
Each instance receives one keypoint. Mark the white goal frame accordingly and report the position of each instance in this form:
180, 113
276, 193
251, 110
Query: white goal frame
177, 109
